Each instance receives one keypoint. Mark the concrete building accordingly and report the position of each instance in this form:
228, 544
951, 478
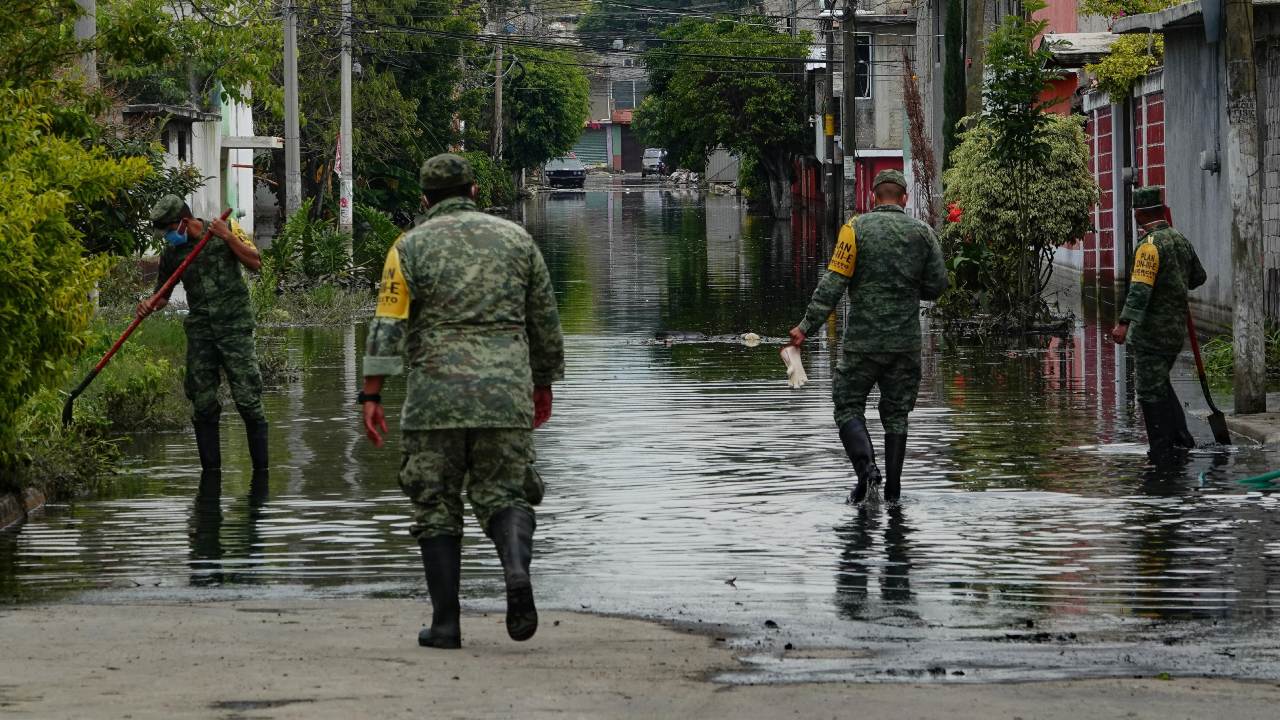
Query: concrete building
220, 143
1171, 131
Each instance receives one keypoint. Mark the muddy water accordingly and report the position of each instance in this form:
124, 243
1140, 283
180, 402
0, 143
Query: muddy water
687, 482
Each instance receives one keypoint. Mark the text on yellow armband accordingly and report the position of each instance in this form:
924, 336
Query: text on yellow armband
1146, 264
846, 254
393, 292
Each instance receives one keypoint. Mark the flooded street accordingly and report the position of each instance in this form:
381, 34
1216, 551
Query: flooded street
687, 482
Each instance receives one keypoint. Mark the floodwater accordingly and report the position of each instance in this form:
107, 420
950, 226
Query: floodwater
687, 482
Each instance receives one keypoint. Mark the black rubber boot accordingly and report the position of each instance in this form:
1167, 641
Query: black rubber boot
895, 452
512, 532
208, 444
259, 488
1159, 438
1179, 435
442, 561
256, 431
857, 445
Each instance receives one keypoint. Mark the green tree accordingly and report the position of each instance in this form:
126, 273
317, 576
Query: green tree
987, 251
733, 84
609, 20
547, 102
46, 280
1021, 177
953, 90
178, 52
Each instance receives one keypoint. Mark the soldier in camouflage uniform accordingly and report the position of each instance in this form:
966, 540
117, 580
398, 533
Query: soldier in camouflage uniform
1154, 320
467, 309
219, 324
888, 262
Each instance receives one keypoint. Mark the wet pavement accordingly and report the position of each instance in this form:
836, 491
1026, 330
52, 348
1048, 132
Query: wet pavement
687, 482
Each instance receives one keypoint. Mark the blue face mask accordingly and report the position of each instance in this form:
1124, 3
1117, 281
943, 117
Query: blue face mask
174, 237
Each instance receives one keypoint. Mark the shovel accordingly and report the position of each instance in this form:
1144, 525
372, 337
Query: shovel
164, 289
1217, 421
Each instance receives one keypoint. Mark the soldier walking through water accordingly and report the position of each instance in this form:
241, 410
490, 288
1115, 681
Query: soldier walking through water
888, 262
467, 309
219, 325
1165, 267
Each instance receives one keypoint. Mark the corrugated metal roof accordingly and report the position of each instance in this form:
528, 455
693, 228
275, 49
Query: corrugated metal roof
1075, 50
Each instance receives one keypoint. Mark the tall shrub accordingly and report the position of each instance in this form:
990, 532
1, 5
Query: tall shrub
45, 278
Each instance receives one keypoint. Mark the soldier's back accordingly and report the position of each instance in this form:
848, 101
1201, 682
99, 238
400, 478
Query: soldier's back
893, 252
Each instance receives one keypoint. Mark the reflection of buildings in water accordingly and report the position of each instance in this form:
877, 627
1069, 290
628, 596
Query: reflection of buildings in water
727, 266
858, 563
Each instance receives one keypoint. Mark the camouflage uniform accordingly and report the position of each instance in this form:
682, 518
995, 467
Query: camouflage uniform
895, 263
467, 308
1165, 268
219, 323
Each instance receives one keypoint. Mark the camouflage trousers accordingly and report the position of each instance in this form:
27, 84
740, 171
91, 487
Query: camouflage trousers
491, 464
1151, 375
208, 358
896, 373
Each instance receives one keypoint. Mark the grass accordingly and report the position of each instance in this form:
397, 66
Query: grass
1219, 355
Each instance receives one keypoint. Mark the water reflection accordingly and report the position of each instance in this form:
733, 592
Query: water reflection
1026, 492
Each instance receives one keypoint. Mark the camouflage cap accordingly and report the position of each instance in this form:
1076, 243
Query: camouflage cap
166, 211
444, 171
1150, 197
890, 176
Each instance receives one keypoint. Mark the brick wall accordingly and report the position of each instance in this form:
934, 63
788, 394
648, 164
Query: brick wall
1148, 139
1099, 246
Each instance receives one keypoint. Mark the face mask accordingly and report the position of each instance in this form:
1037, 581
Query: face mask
174, 237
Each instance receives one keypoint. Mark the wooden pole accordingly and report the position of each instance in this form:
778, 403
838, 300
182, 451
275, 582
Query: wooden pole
1246, 208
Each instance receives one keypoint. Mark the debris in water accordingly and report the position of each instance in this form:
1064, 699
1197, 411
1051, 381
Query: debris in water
771, 624
732, 581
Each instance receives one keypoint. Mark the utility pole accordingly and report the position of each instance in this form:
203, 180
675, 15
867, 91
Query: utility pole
292, 128
829, 190
975, 53
1246, 208
85, 30
496, 144
848, 125
794, 12
344, 140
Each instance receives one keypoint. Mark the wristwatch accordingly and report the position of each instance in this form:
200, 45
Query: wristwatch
364, 397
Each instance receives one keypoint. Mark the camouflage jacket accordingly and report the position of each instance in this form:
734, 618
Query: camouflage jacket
466, 304
217, 295
888, 261
1165, 267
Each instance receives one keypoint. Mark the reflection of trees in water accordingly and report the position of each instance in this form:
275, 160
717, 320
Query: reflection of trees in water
857, 563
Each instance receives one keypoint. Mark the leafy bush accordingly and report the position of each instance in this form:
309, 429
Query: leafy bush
988, 251
375, 233
493, 181
1130, 59
308, 251
46, 281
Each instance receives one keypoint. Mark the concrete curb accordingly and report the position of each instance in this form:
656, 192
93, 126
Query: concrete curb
1260, 427
15, 508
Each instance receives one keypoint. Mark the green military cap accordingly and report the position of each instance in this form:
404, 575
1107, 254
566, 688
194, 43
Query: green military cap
167, 210
889, 176
444, 171
1150, 197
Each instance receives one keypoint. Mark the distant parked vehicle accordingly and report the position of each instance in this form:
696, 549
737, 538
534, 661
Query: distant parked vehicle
565, 172
654, 162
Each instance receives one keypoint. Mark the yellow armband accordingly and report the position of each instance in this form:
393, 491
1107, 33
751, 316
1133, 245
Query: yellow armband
845, 256
393, 292
1146, 264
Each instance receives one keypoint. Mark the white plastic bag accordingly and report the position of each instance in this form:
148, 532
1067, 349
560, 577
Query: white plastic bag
796, 376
